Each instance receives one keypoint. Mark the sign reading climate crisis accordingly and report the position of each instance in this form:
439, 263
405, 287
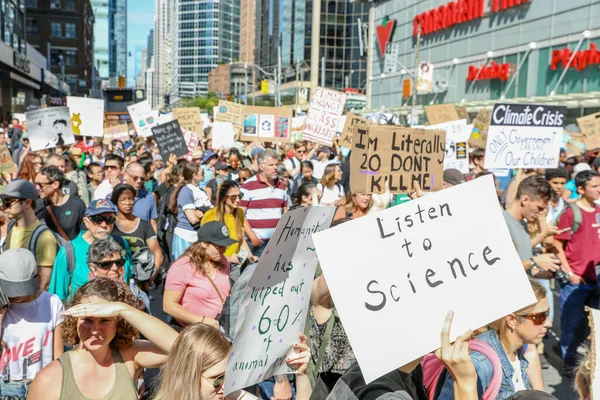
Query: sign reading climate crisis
398, 156
524, 136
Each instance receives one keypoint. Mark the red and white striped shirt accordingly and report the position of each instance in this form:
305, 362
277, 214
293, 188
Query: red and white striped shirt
264, 205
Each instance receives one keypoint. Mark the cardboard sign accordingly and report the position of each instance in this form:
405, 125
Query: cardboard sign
267, 124
232, 113
6, 162
481, 125
222, 135
49, 127
276, 301
462, 113
117, 132
348, 131
87, 115
298, 124
524, 136
191, 141
398, 155
189, 118
590, 124
169, 139
594, 321
592, 142
323, 115
441, 113
457, 149
423, 260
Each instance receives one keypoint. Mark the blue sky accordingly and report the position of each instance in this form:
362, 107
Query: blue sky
140, 19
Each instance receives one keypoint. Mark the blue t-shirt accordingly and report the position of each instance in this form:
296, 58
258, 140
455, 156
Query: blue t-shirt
145, 206
208, 175
185, 201
570, 185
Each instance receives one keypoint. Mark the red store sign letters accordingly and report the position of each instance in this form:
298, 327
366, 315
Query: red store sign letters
581, 60
491, 71
457, 12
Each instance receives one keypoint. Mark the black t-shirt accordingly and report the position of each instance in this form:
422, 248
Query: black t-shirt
161, 190
69, 216
139, 237
70, 188
394, 385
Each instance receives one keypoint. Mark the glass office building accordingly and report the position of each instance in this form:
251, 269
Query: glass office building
101, 33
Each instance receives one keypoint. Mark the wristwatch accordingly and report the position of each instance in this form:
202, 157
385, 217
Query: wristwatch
533, 267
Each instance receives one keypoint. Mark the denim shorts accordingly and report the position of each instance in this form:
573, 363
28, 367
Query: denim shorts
14, 390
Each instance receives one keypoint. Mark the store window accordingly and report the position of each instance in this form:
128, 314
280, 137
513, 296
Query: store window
70, 58
55, 4
70, 30
70, 5
56, 29
32, 3
33, 28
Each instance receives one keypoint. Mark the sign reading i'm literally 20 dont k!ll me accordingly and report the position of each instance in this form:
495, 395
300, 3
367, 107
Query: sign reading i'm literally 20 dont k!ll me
524, 136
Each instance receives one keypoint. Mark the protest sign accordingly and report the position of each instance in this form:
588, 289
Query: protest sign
424, 257
6, 162
87, 115
163, 118
323, 116
594, 357
169, 139
191, 141
20, 117
222, 135
396, 154
592, 142
348, 131
267, 124
462, 113
117, 132
440, 113
456, 149
276, 300
298, 124
480, 128
524, 136
590, 124
49, 127
232, 113
189, 118
143, 117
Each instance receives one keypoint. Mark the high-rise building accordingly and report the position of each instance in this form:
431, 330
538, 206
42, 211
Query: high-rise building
65, 34
118, 38
206, 34
150, 49
247, 27
162, 60
101, 34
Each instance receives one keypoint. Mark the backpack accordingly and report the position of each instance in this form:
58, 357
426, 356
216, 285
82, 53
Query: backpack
433, 369
143, 265
35, 236
577, 217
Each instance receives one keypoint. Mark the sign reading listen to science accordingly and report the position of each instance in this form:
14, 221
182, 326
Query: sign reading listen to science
524, 136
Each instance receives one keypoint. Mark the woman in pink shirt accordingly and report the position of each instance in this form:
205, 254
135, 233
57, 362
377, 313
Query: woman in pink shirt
198, 281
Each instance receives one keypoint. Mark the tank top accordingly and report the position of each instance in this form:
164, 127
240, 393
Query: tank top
123, 388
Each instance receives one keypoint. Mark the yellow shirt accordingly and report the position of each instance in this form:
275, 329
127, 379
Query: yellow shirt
45, 252
229, 221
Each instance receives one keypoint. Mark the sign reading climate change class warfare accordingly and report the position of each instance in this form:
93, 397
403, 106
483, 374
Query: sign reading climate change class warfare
524, 136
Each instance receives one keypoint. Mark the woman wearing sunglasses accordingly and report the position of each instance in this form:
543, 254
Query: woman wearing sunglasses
508, 337
195, 369
228, 211
198, 282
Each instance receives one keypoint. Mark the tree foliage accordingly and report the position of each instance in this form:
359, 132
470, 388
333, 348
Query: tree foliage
206, 103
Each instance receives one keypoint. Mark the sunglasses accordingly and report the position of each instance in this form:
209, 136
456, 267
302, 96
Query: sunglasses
109, 263
98, 219
216, 382
243, 179
537, 318
111, 167
234, 197
136, 178
10, 203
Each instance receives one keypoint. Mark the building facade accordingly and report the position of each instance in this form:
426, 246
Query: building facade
493, 50
63, 31
247, 28
101, 37
163, 53
219, 80
117, 25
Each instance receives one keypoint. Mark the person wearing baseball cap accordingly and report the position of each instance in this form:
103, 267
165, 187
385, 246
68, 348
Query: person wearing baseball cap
209, 159
71, 270
321, 162
18, 201
29, 318
452, 177
198, 282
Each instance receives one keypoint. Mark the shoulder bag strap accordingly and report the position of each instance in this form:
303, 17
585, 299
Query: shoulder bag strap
58, 227
215, 286
325, 341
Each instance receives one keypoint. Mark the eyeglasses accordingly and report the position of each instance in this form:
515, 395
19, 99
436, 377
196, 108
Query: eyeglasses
111, 167
136, 178
216, 382
98, 219
9, 203
43, 184
37, 163
537, 318
109, 263
300, 151
234, 197
243, 179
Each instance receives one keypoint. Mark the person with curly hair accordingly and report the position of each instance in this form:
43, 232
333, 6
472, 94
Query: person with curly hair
102, 323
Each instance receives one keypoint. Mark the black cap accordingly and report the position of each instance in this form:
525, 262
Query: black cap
221, 166
215, 232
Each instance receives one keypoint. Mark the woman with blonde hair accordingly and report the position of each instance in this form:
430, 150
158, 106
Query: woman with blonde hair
332, 192
507, 338
103, 323
195, 369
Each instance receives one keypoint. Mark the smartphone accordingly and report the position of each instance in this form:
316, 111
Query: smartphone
243, 255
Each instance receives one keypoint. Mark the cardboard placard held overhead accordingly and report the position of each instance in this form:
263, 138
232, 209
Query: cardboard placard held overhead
50, 127
399, 155
232, 113
481, 125
441, 113
462, 113
592, 142
267, 124
191, 140
298, 124
590, 124
6, 162
222, 135
323, 116
189, 118
169, 139
524, 136
348, 131
117, 132
87, 115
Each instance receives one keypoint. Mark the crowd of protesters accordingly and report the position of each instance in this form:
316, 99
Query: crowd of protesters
88, 231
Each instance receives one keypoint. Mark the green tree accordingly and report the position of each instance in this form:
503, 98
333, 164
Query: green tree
205, 103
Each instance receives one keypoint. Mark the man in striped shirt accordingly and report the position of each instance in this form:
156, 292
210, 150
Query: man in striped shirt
264, 201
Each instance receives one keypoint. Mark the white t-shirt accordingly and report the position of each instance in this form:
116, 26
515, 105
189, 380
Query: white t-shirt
200, 197
290, 164
28, 331
330, 194
517, 378
319, 167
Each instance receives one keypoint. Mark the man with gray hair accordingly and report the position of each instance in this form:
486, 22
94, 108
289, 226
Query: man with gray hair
264, 201
145, 202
